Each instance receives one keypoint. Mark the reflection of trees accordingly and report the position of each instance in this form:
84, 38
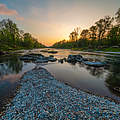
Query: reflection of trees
10, 65
113, 78
95, 71
15, 64
81, 65
72, 63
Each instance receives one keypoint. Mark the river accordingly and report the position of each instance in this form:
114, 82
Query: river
78, 75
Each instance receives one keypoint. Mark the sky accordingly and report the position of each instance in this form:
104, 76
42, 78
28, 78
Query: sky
53, 20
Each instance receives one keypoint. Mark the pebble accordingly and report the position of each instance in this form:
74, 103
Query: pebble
42, 97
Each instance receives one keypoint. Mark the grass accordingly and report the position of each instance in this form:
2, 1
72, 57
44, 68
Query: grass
110, 49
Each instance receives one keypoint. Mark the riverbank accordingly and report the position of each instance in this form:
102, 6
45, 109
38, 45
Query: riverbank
41, 96
8, 51
110, 49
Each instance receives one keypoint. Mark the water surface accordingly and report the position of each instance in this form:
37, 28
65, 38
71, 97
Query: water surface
11, 70
78, 75
96, 80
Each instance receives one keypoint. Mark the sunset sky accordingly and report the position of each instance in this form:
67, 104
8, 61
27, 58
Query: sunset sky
53, 20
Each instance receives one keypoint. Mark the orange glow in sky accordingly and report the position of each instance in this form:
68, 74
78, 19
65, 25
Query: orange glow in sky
53, 20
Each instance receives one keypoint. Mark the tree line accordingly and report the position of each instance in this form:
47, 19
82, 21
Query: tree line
11, 37
103, 34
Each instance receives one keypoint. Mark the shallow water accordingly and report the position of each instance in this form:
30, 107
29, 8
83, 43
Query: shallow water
11, 70
96, 80
80, 76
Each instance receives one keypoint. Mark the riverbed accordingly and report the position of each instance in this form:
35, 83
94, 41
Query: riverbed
93, 80
42, 97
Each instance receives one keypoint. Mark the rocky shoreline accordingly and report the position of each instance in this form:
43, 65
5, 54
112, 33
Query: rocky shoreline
41, 96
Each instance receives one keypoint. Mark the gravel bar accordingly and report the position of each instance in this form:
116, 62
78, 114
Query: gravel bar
42, 97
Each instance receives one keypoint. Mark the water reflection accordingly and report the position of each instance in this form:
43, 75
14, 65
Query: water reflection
15, 64
92, 79
81, 76
11, 70
95, 71
113, 79
10, 65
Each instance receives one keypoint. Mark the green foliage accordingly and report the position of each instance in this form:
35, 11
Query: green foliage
112, 49
11, 38
102, 35
118, 16
113, 78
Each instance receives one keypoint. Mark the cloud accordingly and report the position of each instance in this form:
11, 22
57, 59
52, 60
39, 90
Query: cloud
5, 11
9, 12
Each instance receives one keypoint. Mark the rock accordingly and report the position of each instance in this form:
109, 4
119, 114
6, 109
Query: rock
65, 59
51, 59
61, 61
94, 64
25, 57
74, 58
34, 55
79, 60
51, 55
38, 58
44, 51
53, 52
79, 56
41, 61
85, 59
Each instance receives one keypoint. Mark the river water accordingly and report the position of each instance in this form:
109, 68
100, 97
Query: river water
11, 70
96, 80
78, 75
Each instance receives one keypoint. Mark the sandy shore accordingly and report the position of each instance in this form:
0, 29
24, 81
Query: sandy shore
42, 97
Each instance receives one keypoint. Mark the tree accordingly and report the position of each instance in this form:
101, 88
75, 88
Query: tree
13, 38
12, 31
28, 40
118, 17
101, 35
114, 36
9, 33
93, 32
75, 34
93, 35
85, 34
103, 26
